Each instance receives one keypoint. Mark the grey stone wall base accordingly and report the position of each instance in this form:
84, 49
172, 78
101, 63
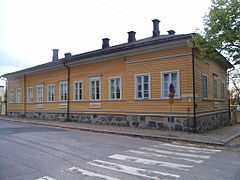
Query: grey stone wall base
204, 123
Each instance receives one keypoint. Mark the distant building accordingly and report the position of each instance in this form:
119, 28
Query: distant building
127, 85
1, 93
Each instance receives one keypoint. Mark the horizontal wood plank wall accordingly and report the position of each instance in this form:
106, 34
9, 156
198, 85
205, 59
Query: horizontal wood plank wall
210, 105
125, 68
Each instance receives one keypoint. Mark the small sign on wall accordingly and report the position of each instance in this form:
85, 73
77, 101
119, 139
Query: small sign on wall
63, 106
39, 106
95, 105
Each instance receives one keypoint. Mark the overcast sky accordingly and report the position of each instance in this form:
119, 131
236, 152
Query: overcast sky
30, 29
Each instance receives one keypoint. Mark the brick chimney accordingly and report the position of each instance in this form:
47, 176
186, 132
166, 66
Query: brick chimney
67, 55
131, 36
55, 55
156, 31
171, 32
105, 43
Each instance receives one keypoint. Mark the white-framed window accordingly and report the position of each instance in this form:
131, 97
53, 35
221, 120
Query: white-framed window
215, 88
170, 77
115, 88
78, 90
223, 90
205, 86
29, 94
95, 88
40, 93
142, 86
19, 95
63, 91
51, 92
11, 96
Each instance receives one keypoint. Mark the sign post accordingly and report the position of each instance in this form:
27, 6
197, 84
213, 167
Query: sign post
171, 101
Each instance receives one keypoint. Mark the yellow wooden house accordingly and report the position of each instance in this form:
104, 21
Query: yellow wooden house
127, 85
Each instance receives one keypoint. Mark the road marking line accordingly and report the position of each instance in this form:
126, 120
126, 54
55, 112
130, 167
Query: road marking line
193, 148
45, 178
176, 153
91, 174
131, 170
151, 162
165, 156
169, 148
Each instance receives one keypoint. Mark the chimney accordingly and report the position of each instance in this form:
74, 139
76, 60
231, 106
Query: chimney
55, 55
105, 43
171, 32
67, 56
131, 36
156, 31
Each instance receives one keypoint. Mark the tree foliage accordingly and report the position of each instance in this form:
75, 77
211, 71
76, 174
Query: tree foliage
221, 31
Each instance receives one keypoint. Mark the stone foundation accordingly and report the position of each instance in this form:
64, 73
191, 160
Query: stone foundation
203, 123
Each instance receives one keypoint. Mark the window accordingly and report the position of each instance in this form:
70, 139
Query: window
78, 90
30, 94
215, 90
51, 90
19, 95
11, 97
63, 91
95, 87
167, 79
40, 93
223, 90
115, 88
142, 86
205, 86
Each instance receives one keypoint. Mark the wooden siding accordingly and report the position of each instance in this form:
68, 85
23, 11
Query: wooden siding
154, 63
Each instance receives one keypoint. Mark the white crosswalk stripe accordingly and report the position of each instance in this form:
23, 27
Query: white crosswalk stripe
151, 162
187, 149
91, 174
131, 170
175, 160
163, 156
45, 178
176, 153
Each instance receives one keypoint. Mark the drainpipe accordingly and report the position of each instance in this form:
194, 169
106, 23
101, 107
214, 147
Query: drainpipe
194, 97
68, 88
24, 100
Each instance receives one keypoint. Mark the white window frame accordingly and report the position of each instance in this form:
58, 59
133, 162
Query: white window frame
142, 90
39, 95
51, 97
203, 87
95, 79
215, 92
30, 96
223, 91
178, 90
60, 95
74, 90
11, 96
19, 95
120, 87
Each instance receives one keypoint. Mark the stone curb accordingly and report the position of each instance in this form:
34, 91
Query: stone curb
159, 138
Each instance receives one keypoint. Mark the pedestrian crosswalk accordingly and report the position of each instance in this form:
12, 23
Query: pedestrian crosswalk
160, 161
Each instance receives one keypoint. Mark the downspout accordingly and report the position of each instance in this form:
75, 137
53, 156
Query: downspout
24, 99
6, 109
194, 97
68, 88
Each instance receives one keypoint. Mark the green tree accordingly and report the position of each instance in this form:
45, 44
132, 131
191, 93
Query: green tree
221, 31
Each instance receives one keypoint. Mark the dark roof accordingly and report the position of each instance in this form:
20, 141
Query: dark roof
121, 47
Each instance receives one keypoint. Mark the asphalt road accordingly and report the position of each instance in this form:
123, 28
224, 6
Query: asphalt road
30, 152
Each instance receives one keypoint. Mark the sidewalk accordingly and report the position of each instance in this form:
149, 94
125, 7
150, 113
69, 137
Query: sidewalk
216, 137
